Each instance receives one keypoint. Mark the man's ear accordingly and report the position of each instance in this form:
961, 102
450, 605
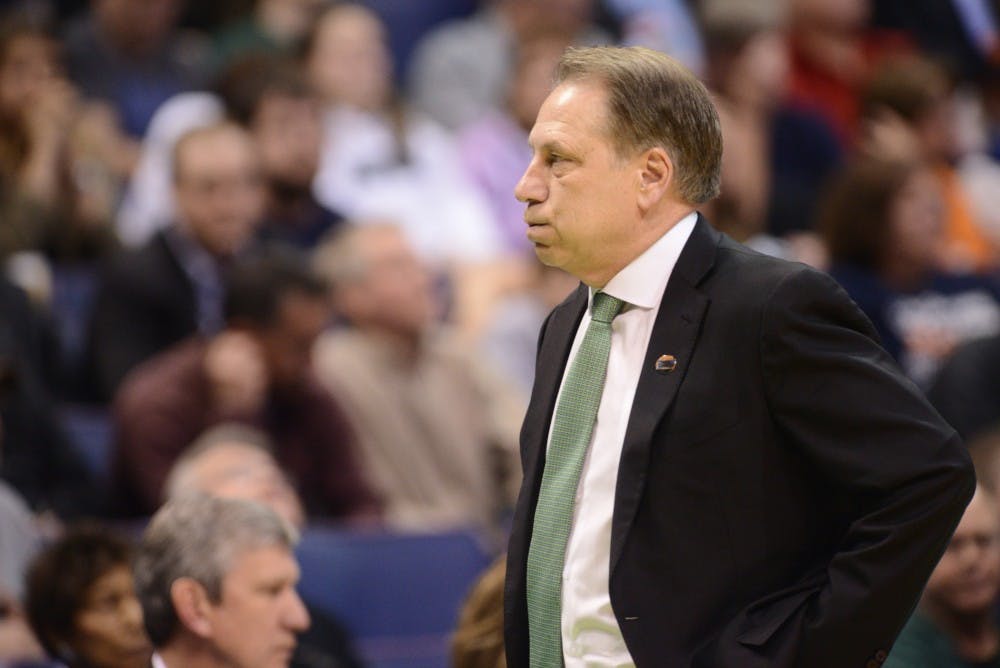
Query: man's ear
192, 606
656, 177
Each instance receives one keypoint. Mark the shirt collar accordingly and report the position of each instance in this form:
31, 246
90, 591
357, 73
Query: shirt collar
642, 282
157, 661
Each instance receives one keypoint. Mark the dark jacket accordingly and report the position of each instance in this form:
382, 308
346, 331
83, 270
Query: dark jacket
145, 303
782, 495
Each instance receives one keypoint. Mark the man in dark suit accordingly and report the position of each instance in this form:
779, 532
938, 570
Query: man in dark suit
722, 468
156, 295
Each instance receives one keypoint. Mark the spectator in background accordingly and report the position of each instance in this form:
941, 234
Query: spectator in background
19, 539
379, 159
509, 339
967, 389
148, 201
478, 639
60, 158
273, 26
669, 26
777, 157
883, 222
236, 462
963, 33
833, 51
130, 55
909, 113
461, 70
216, 579
172, 287
271, 98
955, 625
256, 371
36, 458
437, 436
494, 149
81, 602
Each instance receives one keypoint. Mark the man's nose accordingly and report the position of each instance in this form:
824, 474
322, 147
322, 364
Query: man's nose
530, 188
296, 615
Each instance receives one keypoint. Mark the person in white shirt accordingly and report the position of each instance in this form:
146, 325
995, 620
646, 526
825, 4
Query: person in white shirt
721, 466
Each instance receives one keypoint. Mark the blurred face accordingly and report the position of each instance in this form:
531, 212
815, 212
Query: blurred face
237, 471
109, 630
760, 72
833, 14
533, 80
255, 622
566, 17
350, 63
582, 212
917, 220
137, 25
937, 131
288, 135
29, 64
287, 345
967, 578
395, 292
288, 19
217, 189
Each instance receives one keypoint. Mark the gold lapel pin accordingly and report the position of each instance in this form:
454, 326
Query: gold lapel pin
666, 363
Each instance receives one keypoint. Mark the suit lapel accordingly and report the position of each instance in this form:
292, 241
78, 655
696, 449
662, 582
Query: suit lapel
555, 346
675, 332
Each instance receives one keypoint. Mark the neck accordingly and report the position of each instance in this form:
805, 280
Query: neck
974, 634
652, 229
189, 652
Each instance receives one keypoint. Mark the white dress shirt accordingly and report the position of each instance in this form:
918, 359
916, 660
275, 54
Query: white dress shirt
158, 661
590, 633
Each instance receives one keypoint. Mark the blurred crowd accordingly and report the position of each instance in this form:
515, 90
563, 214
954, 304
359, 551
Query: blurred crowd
269, 249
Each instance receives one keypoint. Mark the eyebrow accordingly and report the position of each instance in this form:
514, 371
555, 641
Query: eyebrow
549, 146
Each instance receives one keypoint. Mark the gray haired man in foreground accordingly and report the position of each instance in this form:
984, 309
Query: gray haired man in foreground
216, 579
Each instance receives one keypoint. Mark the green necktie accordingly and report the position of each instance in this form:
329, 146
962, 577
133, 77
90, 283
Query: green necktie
571, 431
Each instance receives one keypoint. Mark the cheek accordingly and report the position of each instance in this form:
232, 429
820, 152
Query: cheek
97, 636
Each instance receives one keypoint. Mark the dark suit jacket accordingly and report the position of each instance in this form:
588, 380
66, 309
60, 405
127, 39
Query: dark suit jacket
145, 304
782, 495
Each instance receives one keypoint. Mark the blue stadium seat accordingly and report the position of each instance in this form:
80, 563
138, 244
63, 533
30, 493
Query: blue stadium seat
398, 594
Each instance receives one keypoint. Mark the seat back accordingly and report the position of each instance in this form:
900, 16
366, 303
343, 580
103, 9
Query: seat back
398, 594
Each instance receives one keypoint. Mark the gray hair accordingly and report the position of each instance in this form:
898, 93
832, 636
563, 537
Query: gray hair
337, 259
653, 100
225, 434
198, 537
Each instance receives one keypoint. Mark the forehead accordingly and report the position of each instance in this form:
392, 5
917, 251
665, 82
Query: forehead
227, 458
116, 578
574, 111
262, 564
218, 150
981, 516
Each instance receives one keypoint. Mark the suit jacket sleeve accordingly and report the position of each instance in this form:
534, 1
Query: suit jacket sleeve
900, 472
